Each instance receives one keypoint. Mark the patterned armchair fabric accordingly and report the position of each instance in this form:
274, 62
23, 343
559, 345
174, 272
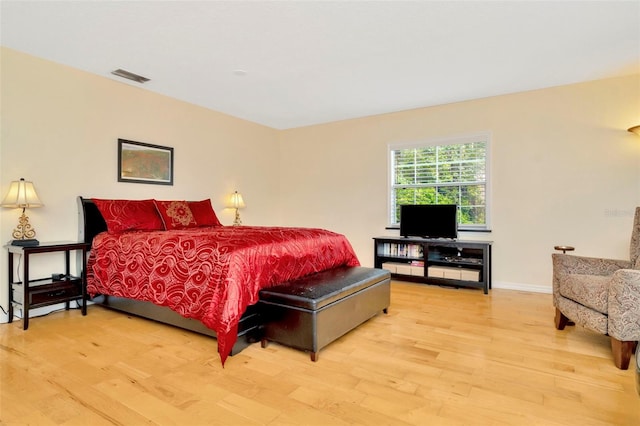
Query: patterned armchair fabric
602, 295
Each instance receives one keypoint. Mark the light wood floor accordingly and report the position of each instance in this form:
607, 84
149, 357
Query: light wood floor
441, 356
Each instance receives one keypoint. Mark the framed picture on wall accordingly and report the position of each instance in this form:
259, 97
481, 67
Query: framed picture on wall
140, 162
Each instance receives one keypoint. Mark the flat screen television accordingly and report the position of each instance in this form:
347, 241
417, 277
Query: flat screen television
429, 221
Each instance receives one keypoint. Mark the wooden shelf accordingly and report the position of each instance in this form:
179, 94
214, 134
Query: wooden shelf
444, 262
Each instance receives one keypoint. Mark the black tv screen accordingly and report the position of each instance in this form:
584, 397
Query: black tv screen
429, 221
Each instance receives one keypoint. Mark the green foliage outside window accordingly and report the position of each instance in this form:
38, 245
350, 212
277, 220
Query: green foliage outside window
442, 174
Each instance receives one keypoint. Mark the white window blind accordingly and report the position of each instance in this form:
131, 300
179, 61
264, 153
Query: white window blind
447, 171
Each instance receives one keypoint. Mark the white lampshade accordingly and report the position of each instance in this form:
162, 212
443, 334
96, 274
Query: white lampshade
236, 201
21, 194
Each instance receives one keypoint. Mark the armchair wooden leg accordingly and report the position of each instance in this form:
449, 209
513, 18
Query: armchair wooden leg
622, 351
561, 320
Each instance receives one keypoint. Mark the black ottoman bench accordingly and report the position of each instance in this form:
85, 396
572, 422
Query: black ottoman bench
313, 311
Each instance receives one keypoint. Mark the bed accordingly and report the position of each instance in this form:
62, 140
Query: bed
204, 278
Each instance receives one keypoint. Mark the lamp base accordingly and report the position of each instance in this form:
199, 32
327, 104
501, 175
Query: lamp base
237, 221
29, 242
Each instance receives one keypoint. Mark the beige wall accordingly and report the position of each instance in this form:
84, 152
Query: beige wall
60, 126
564, 170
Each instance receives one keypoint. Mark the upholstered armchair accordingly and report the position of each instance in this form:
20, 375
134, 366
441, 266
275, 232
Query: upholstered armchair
602, 295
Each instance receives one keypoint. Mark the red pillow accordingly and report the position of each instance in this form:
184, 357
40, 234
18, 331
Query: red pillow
175, 214
203, 212
129, 215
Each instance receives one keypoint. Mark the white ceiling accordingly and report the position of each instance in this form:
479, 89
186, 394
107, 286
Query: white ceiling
310, 62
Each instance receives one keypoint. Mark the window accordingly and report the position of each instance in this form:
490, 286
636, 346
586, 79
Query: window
445, 171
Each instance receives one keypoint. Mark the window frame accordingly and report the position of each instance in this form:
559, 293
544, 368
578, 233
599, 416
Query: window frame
486, 136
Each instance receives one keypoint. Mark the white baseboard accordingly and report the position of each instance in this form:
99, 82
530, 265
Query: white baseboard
522, 287
34, 313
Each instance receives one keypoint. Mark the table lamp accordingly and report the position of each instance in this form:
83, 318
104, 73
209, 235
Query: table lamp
22, 194
236, 202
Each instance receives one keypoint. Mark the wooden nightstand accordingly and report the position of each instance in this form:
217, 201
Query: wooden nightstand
35, 293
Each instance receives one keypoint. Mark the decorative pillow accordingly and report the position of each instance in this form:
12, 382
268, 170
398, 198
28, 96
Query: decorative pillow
129, 215
175, 214
203, 213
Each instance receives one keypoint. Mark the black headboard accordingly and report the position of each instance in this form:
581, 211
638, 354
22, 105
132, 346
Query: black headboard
90, 222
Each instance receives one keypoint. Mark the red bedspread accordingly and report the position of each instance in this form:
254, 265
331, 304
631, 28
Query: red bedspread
211, 274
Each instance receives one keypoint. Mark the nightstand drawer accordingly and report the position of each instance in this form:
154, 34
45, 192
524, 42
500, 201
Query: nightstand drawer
49, 293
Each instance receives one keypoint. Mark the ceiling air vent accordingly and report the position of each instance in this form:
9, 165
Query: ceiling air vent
129, 75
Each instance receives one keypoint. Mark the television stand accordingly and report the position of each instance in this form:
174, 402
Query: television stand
435, 261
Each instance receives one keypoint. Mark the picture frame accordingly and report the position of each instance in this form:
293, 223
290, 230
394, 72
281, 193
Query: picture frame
140, 162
